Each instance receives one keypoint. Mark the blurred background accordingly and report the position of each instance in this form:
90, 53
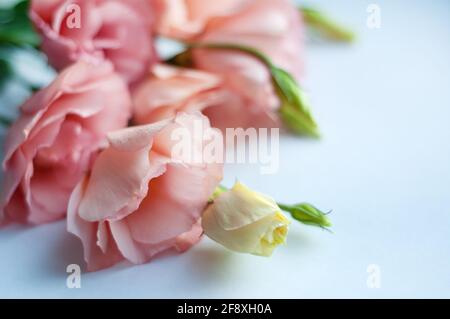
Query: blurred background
383, 167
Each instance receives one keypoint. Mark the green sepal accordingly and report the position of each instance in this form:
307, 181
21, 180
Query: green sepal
294, 110
307, 214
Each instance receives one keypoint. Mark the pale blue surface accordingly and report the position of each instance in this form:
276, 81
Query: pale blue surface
383, 166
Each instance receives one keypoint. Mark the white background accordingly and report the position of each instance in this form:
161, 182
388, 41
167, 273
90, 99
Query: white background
383, 166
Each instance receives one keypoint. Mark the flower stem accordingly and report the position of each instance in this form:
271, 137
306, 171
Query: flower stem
326, 26
236, 47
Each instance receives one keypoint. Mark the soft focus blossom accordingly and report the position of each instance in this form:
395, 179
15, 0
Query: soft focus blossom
185, 19
51, 145
245, 221
140, 198
272, 27
118, 30
168, 90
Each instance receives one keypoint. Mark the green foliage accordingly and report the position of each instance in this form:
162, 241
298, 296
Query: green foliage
23, 69
15, 26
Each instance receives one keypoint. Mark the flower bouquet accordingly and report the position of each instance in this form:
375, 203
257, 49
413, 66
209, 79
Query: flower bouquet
128, 146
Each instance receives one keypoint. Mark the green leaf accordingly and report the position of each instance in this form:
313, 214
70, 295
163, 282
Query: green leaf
5, 70
4, 121
307, 214
15, 26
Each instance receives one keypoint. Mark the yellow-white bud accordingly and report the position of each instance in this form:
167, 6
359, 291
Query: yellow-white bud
245, 221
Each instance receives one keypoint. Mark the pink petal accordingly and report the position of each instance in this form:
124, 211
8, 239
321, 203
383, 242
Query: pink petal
99, 256
15, 210
170, 90
136, 137
274, 27
187, 18
174, 203
190, 238
118, 183
129, 249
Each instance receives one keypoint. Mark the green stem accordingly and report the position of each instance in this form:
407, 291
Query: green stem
237, 47
326, 26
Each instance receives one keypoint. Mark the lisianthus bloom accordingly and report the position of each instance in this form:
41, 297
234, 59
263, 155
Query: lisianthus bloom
142, 197
118, 30
245, 221
185, 19
51, 145
168, 90
273, 28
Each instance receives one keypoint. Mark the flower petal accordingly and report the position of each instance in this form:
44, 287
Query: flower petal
97, 256
118, 183
175, 202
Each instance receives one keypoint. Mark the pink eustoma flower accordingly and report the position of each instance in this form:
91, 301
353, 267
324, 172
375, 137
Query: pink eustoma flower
51, 145
168, 90
273, 27
185, 19
141, 198
118, 30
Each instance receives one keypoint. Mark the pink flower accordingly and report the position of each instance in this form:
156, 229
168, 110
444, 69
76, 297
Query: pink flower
151, 204
184, 19
271, 26
169, 90
51, 145
118, 30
